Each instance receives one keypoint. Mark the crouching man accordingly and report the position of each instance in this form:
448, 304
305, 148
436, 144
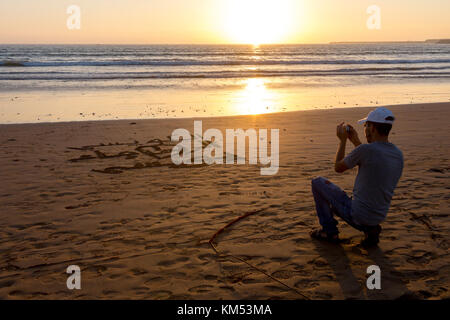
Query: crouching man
380, 167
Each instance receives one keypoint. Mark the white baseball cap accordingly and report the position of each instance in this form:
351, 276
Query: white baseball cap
379, 115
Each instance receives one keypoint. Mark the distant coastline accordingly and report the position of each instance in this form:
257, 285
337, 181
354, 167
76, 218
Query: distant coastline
444, 41
434, 41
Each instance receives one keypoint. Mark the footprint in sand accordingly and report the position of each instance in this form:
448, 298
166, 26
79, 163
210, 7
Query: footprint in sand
421, 257
16, 293
201, 289
7, 283
138, 271
282, 274
306, 284
167, 263
153, 279
160, 294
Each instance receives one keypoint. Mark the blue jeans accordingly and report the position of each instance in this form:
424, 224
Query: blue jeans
331, 199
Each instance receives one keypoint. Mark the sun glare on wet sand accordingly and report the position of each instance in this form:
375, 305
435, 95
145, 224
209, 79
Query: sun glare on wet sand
255, 98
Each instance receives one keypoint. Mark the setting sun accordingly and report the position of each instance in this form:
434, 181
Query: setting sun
259, 21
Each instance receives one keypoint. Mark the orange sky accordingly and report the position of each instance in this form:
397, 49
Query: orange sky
221, 21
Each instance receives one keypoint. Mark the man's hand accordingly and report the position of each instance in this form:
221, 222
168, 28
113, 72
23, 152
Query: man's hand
341, 132
353, 136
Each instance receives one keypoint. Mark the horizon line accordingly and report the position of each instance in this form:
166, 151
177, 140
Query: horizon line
223, 44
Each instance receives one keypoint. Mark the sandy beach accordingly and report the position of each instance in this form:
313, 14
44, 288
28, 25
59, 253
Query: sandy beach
104, 195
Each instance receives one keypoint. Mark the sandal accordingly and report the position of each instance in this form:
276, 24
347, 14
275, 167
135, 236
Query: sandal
320, 234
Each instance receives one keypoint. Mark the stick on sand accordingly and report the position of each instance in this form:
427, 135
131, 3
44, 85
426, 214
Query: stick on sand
211, 242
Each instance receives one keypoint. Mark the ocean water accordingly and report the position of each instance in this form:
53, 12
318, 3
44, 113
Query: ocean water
207, 76
75, 66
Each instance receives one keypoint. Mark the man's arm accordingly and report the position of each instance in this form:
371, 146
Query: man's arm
342, 134
339, 164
